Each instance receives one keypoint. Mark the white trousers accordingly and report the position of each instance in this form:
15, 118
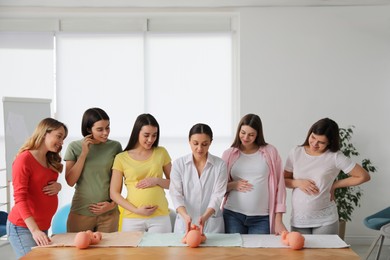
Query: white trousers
160, 224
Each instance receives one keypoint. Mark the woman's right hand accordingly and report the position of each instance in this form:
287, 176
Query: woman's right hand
41, 238
88, 140
308, 186
188, 221
74, 168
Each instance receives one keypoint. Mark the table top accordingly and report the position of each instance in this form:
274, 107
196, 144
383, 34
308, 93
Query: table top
187, 253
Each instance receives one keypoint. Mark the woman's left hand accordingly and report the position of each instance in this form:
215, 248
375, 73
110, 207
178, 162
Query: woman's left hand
201, 221
52, 188
147, 182
101, 207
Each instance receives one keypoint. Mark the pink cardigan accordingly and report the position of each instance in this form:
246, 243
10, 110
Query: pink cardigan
276, 185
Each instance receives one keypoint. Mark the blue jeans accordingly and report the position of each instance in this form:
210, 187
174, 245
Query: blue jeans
239, 223
20, 239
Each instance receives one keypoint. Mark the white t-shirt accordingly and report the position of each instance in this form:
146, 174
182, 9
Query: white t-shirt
253, 168
315, 210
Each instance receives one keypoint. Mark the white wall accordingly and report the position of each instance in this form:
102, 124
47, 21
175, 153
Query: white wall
300, 64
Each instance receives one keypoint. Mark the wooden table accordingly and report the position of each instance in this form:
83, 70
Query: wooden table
186, 253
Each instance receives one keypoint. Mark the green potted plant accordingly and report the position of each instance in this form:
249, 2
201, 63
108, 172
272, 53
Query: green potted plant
347, 199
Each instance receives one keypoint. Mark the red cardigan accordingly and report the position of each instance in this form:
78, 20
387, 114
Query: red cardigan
28, 179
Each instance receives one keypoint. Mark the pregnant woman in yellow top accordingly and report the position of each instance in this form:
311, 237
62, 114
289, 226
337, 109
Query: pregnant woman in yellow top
141, 167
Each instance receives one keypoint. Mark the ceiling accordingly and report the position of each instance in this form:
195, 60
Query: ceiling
188, 3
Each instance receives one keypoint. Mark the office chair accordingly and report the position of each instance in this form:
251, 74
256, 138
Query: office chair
58, 224
3, 223
378, 221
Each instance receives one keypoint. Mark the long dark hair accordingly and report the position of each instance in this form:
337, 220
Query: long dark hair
253, 121
142, 120
330, 129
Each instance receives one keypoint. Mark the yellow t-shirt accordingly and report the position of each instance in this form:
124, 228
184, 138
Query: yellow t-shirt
135, 171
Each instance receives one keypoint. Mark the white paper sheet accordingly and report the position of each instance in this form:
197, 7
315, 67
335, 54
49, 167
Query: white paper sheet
134, 239
311, 241
174, 239
115, 239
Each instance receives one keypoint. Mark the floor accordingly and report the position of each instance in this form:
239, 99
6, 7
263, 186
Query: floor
362, 250
7, 253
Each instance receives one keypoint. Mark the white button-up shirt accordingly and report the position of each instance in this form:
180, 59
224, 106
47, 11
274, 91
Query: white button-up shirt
196, 193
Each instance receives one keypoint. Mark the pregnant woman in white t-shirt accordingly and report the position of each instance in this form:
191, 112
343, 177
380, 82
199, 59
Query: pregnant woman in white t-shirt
311, 170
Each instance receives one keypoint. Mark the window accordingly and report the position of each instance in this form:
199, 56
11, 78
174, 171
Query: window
178, 69
181, 79
26, 65
188, 81
98, 70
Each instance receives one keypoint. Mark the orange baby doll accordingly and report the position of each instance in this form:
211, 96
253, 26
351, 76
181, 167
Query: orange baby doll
293, 239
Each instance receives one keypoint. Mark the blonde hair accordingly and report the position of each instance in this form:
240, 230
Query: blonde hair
37, 138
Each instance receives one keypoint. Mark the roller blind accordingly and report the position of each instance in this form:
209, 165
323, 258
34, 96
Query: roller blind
182, 79
100, 70
177, 68
27, 66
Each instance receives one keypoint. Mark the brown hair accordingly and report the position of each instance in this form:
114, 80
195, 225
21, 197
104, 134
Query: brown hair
142, 120
330, 129
37, 138
253, 121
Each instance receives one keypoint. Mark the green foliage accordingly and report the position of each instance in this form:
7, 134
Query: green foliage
347, 199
